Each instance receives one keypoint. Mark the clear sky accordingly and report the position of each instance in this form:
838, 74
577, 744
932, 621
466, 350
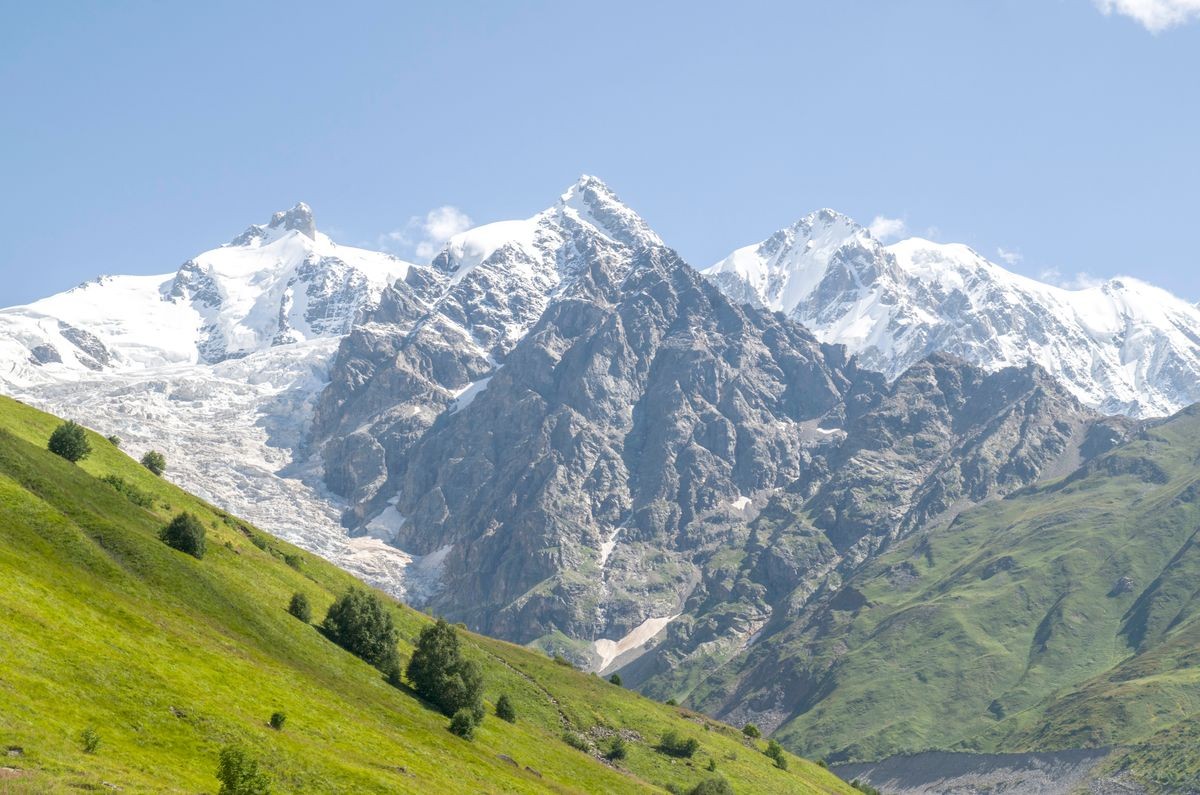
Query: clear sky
1063, 133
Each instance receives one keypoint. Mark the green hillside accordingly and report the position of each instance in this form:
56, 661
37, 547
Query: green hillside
1065, 616
169, 659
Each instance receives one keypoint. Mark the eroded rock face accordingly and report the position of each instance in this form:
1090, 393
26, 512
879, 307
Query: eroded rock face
650, 449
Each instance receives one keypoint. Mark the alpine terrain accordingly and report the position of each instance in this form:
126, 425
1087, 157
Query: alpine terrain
873, 499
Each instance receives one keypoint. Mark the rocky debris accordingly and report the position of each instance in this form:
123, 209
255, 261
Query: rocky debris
44, 354
944, 773
1123, 585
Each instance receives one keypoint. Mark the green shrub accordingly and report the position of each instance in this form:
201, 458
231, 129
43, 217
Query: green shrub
750, 730
361, 624
674, 745
239, 774
712, 764
463, 724
775, 752
440, 674
618, 750
293, 560
89, 740
865, 788
577, 741
185, 533
114, 440
258, 541
670, 702
155, 461
712, 786
505, 710
561, 660
615, 679
131, 492
69, 441
277, 720
300, 608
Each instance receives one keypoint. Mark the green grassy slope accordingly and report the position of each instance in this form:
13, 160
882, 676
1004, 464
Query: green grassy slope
1064, 616
169, 658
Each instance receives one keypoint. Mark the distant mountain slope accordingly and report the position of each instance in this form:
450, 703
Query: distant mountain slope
1122, 347
169, 658
1065, 616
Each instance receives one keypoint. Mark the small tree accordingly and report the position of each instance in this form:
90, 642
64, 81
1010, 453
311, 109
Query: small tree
89, 740
300, 608
185, 533
441, 675
69, 440
775, 752
505, 710
618, 750
114, 440
712, 764
155, 461
463, 724
239, 774
277, 720
750, 730
360, 623
615, 679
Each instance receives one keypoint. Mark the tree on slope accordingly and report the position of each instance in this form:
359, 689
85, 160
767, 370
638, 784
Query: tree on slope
69, 440
360, 623
441, 675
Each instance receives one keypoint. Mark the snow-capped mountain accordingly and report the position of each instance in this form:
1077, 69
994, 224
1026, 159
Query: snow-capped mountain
218, 366
1122, 347
440, 334
279, 283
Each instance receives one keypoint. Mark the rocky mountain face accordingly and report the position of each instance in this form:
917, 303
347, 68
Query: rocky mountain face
643, 458
1122, 347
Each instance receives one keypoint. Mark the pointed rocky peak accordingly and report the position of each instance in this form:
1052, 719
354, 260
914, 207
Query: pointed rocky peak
299, 218
593, 202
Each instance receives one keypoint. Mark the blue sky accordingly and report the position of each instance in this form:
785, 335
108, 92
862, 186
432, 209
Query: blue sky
1061, 132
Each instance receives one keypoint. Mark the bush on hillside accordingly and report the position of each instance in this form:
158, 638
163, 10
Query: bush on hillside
673, 744
505, 710
155, 461
712, 786
89, 740
239, 774
360, 623
114, 440
277, 720
463, 724
775, 752
615, 679
440, 674
186, 534
69, 441
618, 750
300, 608
750, 730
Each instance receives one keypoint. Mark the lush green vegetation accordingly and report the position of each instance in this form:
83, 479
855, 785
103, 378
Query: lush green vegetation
69, 441
176, 663
1065, 616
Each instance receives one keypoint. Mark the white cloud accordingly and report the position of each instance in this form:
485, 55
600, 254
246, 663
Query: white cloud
1080, 281
1154, 15
424, 237
1010, 257
884, 229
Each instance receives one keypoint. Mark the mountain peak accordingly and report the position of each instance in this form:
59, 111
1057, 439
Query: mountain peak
595, 203
299, 218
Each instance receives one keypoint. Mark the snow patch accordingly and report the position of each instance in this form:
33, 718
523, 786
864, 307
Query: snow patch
610, 650
740, 504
